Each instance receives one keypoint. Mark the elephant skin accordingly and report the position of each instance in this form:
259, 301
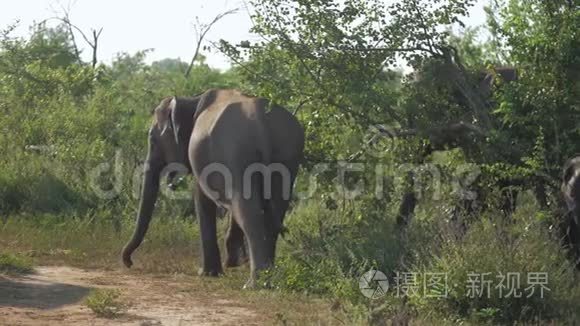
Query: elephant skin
570, 226
222, 136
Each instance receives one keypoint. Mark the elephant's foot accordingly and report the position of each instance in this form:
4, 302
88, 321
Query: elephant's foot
257, 280
233, 262
213, 272
251, 284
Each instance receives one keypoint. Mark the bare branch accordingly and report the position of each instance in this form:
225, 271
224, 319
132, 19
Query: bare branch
201, 30
300, 105
237, 62
439, 137
66, 13
92, 43
96, 36
471, 93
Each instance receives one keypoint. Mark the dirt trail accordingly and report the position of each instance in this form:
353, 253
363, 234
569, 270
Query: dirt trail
55, 296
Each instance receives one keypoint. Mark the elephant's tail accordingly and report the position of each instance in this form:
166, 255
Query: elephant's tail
265, 144
266, 149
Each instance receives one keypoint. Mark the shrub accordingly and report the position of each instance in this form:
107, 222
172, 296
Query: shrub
106, 303
14, 264
327, 250
493, 248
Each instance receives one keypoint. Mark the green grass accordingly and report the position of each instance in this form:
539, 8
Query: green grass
170, 245
106, 303
171, 249
15, 264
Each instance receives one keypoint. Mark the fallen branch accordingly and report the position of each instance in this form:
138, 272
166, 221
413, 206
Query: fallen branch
455, 128
439, 137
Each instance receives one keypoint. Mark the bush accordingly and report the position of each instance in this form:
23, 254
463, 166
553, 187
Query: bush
327, 250
13, 264
493, 248
106, 303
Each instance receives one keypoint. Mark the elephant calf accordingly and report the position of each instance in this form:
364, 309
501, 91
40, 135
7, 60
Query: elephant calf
245, 155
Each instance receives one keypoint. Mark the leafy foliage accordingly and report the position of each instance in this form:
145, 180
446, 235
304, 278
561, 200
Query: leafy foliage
14, 264
66, 119
105, 303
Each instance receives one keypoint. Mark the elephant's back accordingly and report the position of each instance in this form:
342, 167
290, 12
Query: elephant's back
234, 132
287, 133
219, 107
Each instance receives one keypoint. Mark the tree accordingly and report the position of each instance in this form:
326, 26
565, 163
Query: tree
334, 61
330, 60
92, 41
43, 65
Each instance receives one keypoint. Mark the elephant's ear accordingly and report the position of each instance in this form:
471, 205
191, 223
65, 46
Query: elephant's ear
570, 168
163, 114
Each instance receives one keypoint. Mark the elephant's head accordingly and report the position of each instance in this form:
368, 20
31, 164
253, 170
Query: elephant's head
167, 156
170, 132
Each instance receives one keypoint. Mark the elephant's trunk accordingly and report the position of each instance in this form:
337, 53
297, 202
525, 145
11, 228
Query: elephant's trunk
149, 194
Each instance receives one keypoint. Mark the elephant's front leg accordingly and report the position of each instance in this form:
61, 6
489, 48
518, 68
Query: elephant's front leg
236, 253
206, 213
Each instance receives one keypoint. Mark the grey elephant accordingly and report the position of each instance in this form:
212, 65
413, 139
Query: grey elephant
570, 224
244, 153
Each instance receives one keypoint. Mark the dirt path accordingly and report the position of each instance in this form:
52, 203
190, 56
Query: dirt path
55, 296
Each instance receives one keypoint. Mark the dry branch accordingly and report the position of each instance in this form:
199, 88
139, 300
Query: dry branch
93, 44
201, 30
439, 137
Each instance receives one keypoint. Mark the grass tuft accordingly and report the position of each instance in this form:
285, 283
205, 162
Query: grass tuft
14, 264
106, 303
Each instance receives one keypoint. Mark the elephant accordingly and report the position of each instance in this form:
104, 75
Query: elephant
244, 153
570, 224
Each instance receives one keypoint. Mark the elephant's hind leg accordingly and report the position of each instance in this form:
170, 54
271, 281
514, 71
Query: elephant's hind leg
278, 204
206, 214
236, 253
250, 217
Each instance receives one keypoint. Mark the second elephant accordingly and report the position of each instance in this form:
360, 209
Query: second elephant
569, 225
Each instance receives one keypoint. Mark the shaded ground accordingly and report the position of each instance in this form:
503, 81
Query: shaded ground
55, 296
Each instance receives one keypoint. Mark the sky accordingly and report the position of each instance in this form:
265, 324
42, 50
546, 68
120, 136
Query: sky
166, 26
